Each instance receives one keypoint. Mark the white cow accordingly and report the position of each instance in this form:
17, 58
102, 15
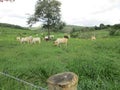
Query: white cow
36, 40
93, 38
60, 41
17, 38
26, 39
46, 37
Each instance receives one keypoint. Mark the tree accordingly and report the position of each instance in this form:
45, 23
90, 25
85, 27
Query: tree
48, 12
96, 28
102, 26
59, 26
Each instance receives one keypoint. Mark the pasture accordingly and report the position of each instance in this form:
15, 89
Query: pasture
96, 62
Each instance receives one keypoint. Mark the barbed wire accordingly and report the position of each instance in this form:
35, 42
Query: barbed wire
20, 80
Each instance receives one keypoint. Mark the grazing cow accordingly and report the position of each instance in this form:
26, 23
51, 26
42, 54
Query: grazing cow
36, 40
93, 38
46, 38
51, 37
26, 39
17, 38
23, 40
60, 41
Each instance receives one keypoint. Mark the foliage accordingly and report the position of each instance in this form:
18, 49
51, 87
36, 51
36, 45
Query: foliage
116, 26
102, 26
81, 32
115, 30
48, 12
59, 26
74, 34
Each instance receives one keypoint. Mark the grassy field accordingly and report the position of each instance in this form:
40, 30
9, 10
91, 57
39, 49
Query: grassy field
97, 62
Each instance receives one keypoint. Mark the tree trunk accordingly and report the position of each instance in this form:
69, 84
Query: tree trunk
48, 33
63, 81
48, 29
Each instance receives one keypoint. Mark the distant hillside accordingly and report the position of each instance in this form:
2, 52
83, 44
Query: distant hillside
12, 26
69, 28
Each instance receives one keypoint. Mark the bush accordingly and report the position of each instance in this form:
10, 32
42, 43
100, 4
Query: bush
74, 34
114, 32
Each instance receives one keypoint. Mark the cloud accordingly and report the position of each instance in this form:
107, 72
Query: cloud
108, 8
76, 12
114, 1
91, 12
16, 12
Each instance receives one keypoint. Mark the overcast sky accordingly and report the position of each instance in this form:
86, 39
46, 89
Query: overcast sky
74, 12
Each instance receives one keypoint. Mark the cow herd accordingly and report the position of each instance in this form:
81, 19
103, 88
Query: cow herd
29, 39
57, 42
34, 40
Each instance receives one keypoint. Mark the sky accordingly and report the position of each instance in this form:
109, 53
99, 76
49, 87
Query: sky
73, 12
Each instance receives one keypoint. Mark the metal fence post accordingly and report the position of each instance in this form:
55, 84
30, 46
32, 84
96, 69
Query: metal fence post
63, 81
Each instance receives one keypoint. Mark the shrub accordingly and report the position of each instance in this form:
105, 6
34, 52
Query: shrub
74, 34
114, 32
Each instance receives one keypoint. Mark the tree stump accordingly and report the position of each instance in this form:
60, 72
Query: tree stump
63, 81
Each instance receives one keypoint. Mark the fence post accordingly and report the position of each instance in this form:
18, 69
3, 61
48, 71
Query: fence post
63, 81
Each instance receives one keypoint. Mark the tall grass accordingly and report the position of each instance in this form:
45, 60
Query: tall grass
95, 62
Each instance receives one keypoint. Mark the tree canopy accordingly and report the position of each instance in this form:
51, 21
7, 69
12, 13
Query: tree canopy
47, 12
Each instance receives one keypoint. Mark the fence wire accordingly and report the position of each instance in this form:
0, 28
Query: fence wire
22, 81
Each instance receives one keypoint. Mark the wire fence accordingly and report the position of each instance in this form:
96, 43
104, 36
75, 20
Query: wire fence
21, 84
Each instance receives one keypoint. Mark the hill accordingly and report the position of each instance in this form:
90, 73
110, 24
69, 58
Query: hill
12, 26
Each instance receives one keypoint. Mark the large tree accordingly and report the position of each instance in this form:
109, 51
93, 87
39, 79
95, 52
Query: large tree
48, 12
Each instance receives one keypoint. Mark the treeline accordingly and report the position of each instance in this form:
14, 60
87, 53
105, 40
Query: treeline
113, 29
102, 26
12, 26
75, 31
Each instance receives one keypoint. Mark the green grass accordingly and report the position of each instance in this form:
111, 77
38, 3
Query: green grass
95, 62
